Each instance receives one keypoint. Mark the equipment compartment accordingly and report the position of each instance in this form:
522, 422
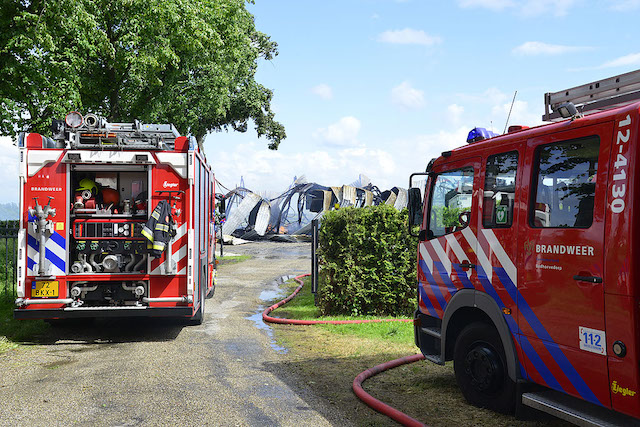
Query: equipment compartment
108, 211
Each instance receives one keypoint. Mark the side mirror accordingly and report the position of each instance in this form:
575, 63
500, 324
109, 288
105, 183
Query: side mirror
415, 209
415, 205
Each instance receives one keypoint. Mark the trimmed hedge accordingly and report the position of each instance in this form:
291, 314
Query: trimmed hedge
367, 262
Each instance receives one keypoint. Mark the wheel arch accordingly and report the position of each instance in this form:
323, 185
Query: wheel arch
470, 305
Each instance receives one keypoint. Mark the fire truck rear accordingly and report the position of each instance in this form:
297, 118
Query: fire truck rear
116, 219
527, 266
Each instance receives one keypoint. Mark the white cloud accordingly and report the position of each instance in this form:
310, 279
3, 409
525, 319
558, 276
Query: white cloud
520, 115
454, 115
540, 48
490, 96
527, 8
490, 110
541, 7
270, 171
624, 5
323, 90
342, 133
407, 96
623, 61
486, 4
408, 36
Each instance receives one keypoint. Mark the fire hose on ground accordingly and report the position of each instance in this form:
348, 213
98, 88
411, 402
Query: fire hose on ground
371, 401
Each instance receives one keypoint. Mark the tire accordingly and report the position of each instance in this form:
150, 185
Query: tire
213, 287
480, 366
198, 317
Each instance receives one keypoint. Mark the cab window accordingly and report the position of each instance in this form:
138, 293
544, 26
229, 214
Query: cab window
499, 190
450, 206
564, 184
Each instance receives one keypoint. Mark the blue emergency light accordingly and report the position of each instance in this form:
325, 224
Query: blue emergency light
478, 134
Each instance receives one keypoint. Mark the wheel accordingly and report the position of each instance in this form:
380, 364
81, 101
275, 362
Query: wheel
213, 287
198, 317
481, 369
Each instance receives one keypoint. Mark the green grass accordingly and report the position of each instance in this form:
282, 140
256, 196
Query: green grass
13, 332
302, 307
233, 259
328, 357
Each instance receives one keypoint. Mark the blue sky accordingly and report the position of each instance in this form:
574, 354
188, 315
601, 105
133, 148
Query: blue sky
379, 87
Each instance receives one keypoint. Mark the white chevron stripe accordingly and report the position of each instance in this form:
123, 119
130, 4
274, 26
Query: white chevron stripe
482, 257
181, 231
57, 250
177, 255
158, 270
442, 255
502, 256
427, 259
456, 248
32, 254
60, 252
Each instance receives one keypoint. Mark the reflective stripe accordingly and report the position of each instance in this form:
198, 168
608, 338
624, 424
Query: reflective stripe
455, 247
147, 233
482, 257
444, 259
502, 256
428, 262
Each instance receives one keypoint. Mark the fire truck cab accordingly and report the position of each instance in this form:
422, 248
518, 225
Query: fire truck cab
526, 271
116, 219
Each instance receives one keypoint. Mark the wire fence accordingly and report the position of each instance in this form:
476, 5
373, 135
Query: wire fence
8, 258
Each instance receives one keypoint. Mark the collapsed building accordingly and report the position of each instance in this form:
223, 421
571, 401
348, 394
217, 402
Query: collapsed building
251, 216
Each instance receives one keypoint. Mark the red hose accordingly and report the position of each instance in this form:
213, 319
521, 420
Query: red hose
267, 318
371, 401
379, 406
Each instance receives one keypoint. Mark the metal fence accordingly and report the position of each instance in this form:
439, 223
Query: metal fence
8, 258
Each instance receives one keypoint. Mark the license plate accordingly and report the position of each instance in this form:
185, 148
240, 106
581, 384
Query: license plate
45, 289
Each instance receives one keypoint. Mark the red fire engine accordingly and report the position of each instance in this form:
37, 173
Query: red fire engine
526, 271
116, 219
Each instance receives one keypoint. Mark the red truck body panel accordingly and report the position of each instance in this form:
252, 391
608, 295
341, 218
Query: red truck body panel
567, 290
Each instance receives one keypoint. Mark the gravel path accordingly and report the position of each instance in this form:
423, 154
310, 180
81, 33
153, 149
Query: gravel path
129, 372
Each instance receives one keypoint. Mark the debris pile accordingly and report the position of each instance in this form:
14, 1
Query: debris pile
250, 216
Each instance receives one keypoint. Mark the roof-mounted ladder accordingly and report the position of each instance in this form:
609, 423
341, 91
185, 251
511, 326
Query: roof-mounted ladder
596, 96
122, 136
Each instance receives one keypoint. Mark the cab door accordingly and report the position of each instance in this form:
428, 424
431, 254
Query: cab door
498, 238
445, 258
560, 292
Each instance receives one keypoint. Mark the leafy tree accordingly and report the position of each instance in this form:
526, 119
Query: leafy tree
187, 62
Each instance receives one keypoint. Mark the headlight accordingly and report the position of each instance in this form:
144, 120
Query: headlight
73, 119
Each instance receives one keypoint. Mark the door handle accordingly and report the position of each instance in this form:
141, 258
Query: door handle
590, 279
467, 265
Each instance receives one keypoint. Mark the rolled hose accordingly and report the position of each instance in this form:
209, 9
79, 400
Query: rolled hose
365, 397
